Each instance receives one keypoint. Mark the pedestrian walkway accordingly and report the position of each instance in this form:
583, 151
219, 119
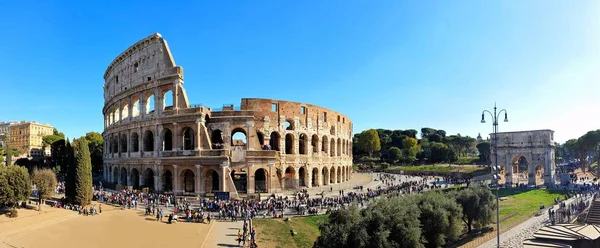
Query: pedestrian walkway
515, 236
224, 234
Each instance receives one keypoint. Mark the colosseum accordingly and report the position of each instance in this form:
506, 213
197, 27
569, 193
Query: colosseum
155, 139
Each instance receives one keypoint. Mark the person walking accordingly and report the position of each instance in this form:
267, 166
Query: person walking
239, 235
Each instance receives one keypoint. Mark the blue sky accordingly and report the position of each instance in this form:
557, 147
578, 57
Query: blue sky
386, 64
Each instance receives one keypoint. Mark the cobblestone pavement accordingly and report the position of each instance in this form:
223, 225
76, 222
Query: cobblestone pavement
514, 237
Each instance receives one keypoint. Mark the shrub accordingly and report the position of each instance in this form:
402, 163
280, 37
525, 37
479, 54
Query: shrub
13, 213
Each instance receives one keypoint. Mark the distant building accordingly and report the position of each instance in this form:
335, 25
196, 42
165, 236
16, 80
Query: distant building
4, 128
479, 139
27, 136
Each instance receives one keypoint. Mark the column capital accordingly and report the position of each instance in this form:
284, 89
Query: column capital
197, 166
175, 166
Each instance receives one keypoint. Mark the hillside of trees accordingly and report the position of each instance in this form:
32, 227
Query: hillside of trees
429, 147
585, 150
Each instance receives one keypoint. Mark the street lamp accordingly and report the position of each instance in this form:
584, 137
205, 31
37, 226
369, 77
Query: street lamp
495, 169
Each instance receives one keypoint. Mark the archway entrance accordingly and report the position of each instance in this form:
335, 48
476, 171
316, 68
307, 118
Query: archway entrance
522, 170
168, 181
332, 175
260, 181
189, 182
115, 178
168, 140
212, 181
123, 175
302, 177
315, 177
289, 178
135, 178
339, 175
325, 175
240, 180
149, 179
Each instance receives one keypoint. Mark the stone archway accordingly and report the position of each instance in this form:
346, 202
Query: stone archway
149, 179
260, 181
537, 147
123, 174
289, 178
315, 177
167, 181
189, 181
302, 177
115, 177
325, 176
135, 178
212, 181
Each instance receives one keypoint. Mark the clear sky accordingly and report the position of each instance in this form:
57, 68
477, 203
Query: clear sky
385, 63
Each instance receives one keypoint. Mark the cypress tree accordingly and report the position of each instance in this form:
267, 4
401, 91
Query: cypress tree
69, 163
83, 172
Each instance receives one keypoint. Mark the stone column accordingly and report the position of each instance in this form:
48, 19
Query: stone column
140, 141
157, 178
127, 176
199, 128
296, 178
250, 184
142, 104
158, 141
158, 101
308, 178
141, 179
130, 108
175, 179
198, 180
223, 183
176, 137
129, 142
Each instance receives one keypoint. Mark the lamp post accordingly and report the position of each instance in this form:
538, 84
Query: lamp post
495, 167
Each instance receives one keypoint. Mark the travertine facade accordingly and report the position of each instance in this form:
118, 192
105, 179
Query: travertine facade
154, 138
537, 147
27, 136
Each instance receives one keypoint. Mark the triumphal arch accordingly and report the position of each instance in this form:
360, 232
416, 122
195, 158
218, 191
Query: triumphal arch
526, 156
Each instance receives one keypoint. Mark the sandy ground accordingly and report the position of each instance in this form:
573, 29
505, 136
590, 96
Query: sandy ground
114, 228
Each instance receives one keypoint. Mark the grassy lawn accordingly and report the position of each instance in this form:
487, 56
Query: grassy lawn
276, 232
524, 204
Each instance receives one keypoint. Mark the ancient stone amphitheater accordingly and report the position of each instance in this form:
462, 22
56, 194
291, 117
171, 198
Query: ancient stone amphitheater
155, 139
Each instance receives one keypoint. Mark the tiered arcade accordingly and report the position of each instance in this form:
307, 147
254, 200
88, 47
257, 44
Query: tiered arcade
154, 138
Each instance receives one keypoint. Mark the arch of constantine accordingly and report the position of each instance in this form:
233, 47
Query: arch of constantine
526, 156
154, 138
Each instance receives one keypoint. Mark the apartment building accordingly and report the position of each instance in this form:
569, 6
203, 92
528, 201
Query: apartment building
27, 136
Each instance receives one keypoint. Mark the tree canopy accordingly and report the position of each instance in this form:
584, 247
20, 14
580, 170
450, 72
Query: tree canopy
435, 146
15, 184
45, 182
83, 172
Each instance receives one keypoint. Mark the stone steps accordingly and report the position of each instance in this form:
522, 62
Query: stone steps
593, 216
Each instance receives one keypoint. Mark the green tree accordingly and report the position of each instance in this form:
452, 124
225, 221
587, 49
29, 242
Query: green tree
57, 133
477, 204
394, 154
426, 131
96, 146
83, 172
369, 141
484, 149
15, 185
440, 219
45, 182
387, 222
70, 172
411, 148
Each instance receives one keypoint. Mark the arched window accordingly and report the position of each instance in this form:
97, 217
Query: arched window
168, 140
148, 141
274, 141
123, 143
216, 138
188, 139
289, 144
150, 104
238, 137
302, 144
168, 100
135, 142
